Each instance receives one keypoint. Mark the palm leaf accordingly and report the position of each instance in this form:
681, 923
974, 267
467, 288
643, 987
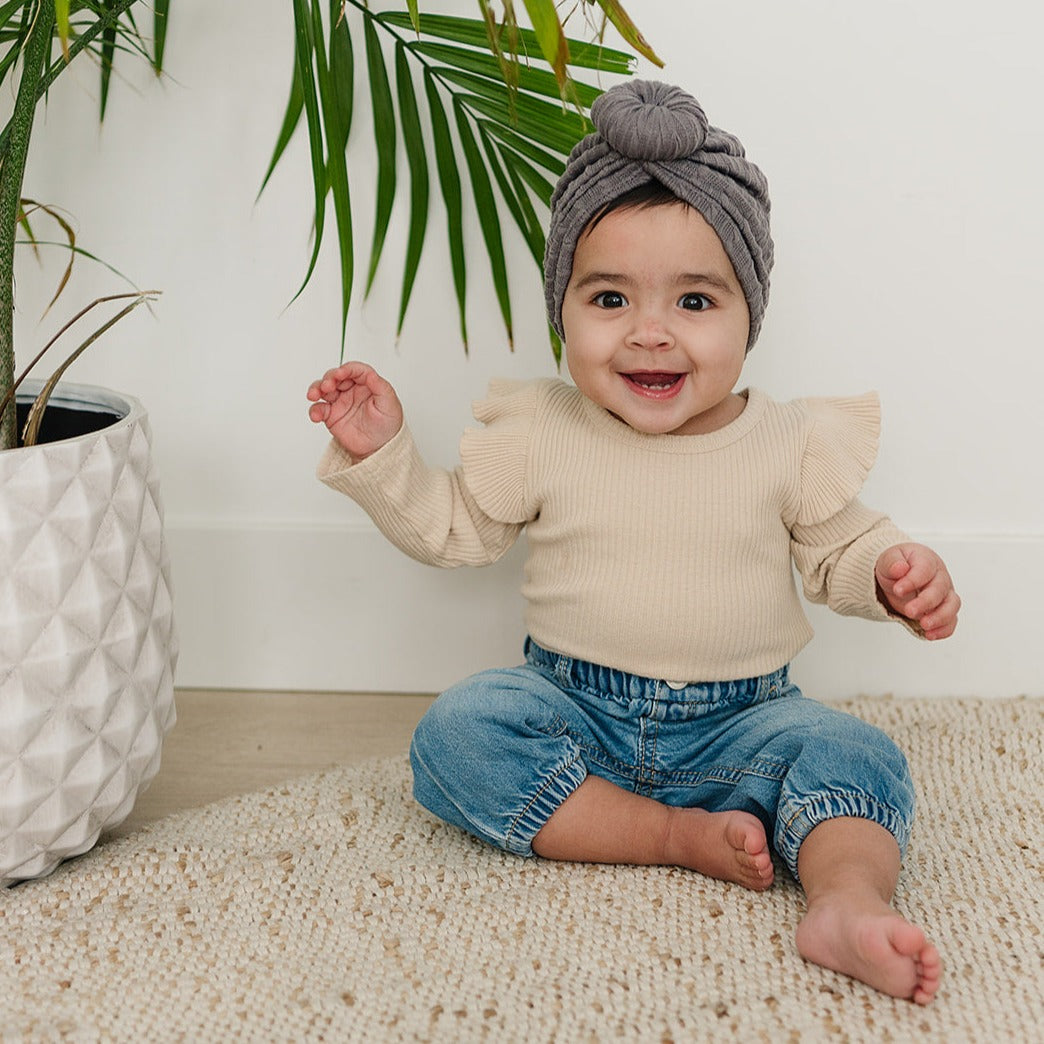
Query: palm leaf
541, 187
536, 81
524, 146
333, 113
342, 74
14, 31
304, 54
628, 30
70, 236
7, 12
291, 118
418, 163
560, 131
509, 128
449, 181
507, 64
160, 24
108, 52
384, 132
486, 206
468, 32
552, 38
61, 21
515, 197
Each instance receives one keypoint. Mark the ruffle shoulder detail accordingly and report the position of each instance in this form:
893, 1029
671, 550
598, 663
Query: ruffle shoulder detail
494, 456
840, 449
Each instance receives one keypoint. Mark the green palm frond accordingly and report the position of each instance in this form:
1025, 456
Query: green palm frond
103, 27
493, 108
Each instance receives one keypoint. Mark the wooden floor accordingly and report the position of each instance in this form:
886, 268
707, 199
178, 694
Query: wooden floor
228, 743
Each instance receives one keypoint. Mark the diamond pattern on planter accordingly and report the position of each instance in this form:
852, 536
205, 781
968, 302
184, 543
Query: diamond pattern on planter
87, 639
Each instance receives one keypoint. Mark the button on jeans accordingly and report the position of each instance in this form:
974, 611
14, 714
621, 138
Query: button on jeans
498, 753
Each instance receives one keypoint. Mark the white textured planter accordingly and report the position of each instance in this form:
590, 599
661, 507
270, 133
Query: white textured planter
87, 642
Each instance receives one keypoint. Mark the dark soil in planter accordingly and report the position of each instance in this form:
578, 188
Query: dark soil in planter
61, 422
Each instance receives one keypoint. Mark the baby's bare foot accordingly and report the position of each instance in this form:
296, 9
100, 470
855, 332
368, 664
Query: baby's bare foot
730, 846
865, 938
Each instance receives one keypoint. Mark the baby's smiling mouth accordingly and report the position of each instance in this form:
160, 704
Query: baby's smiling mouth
655, 383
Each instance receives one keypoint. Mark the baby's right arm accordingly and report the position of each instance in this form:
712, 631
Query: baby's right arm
358, 406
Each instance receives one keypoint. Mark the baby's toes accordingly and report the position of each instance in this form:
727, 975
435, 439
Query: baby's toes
929, 974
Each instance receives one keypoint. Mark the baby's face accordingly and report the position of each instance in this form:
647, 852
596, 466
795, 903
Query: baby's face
655, 321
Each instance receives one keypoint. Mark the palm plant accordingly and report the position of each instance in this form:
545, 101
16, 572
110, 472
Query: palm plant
507, 92
483, 95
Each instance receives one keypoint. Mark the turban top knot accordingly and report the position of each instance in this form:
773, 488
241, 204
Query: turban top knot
646, 131
653, 121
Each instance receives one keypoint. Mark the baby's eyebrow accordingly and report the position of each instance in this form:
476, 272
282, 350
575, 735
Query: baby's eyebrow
683, 279
602, 277
707, 279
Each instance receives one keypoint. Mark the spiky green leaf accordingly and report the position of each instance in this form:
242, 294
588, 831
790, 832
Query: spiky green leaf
304, 53
61, 21
342, 74
449, 182
537, 121
160, 25
108, 52
628, 30
540, 186
524, 146
472, 32
481, 63
515, 197
417, 160
336, 165
486, 207
552, 38
384, 128
291, 118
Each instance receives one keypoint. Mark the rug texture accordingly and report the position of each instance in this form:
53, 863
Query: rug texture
334, 908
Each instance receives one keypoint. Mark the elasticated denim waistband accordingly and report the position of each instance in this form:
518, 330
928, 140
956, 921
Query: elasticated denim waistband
580, 674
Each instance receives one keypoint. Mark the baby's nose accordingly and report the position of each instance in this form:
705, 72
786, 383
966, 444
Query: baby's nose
650, 331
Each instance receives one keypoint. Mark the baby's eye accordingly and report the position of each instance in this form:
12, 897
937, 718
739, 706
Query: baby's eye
695, 302
610, 299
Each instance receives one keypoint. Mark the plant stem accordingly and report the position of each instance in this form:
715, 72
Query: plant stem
37, 47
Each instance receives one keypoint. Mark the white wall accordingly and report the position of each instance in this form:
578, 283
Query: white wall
903, 146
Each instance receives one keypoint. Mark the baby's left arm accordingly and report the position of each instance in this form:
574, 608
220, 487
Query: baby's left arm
913, 581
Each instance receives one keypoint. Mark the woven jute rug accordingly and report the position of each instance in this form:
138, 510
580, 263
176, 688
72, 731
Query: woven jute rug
333, 908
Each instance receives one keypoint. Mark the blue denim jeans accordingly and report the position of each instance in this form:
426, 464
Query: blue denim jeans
498, 753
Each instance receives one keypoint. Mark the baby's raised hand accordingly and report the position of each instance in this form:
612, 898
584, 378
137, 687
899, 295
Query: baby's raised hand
358, 406
913, 581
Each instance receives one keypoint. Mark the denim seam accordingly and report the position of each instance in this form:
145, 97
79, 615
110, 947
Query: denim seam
556, 727
551, 782
595, 754
651, 775
724, 774
823, 807
646, 772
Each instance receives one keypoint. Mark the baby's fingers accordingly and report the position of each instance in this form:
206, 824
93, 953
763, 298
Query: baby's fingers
340, 379
930, 597
942, 621
892, 565
925, 566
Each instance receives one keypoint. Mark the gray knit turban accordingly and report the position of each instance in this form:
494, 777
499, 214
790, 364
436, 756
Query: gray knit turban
648, 131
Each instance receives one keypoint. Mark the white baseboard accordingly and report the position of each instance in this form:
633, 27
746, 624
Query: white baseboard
341, 610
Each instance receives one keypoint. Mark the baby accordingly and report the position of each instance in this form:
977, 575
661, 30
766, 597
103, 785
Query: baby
654, 721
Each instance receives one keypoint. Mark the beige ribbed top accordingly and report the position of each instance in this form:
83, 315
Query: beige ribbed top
663, 555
